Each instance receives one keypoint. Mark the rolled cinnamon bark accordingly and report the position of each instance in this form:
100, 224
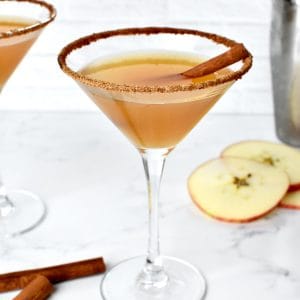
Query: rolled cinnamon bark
219, 62
59, 273
38, 289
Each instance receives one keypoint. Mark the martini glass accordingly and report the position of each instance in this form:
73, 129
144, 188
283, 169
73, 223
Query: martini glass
21, 22
155, 116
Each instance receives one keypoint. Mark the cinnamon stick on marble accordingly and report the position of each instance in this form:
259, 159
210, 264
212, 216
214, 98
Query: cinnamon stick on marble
219, 62
59, 273
39, 288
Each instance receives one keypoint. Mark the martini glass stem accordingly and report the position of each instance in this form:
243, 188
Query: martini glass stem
153, 274
6, 206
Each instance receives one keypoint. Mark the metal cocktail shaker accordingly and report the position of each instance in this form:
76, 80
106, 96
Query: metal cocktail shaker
285, 66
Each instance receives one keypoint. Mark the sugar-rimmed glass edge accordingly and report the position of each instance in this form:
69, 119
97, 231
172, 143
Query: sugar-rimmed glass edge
87, 40
34, 27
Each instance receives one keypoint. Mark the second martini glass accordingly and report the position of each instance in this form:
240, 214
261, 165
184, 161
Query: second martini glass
21, 22
133, 76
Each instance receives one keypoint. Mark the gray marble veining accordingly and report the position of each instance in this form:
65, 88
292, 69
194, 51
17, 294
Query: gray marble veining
92, 181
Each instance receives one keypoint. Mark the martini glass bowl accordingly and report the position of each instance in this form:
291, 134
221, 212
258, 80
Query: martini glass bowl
155, 118
21, 22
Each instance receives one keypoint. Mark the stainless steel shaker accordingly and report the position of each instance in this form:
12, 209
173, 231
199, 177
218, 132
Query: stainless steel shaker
285, 66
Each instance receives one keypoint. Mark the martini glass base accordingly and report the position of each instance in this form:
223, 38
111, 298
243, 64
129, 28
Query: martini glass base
185, 281
28, 212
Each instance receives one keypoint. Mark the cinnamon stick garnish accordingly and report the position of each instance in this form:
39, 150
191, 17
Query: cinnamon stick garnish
38, 289
18, 280
219, 62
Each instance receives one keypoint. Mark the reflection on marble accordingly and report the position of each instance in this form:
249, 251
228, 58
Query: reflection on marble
92, 181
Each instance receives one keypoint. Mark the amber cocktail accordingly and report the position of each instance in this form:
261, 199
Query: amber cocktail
21, 22
134, 77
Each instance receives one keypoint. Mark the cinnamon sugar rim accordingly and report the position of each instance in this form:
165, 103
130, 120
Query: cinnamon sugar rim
87, 40
33, 27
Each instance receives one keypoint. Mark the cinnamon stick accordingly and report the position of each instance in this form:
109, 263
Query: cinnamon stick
38, 289
18, 280
219, 62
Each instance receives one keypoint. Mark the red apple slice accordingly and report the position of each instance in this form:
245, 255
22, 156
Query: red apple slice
237, 190
278, 155
291, 200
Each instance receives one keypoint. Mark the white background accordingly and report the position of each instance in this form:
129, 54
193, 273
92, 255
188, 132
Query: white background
38, 84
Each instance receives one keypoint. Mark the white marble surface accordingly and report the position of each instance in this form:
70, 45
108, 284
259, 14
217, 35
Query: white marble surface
92, 181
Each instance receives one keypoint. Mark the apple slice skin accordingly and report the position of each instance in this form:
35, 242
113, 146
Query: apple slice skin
294, 184
236, 220
294, 187
291, 200
240, 221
